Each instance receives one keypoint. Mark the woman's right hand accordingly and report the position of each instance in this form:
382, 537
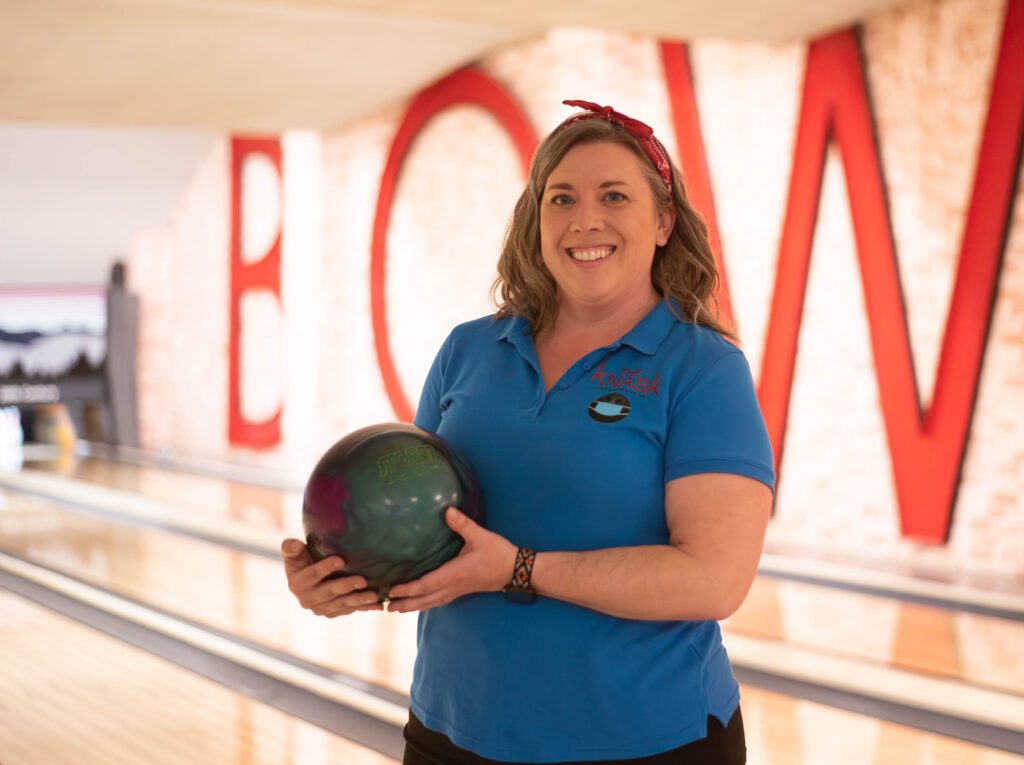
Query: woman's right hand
324, 597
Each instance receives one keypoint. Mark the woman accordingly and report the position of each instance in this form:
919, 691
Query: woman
628, 476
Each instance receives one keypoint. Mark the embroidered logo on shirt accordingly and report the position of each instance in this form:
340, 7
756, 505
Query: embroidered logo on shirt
630, 379
609, 408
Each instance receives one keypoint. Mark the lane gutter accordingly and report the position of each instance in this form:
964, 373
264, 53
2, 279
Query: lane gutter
939, 705
1000, 605
374, 716
369, 715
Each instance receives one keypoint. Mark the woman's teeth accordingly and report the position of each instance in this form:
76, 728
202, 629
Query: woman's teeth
591, 253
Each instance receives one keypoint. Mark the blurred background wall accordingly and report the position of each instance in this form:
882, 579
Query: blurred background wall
309, 354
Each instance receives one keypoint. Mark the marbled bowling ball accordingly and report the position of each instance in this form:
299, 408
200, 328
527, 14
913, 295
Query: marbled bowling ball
377, 498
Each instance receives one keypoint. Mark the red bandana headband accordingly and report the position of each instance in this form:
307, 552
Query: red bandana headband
644, 134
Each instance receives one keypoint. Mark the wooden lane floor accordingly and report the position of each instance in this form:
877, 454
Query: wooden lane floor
230, 590
268, 498
977, 649
69, 694
77, 696
780, 729
258, 505
775, 613
973, 648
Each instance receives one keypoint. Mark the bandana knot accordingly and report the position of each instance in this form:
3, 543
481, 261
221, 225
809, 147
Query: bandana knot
642, 132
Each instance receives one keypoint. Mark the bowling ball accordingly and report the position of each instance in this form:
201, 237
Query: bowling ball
377, 498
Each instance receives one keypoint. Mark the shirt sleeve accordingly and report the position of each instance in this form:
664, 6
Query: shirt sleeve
428, 413
717, 426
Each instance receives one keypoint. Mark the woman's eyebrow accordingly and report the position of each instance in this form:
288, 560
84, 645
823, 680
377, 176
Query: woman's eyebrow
570, 187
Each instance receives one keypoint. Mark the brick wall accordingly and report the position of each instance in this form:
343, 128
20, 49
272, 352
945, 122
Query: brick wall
929, 68
181, 273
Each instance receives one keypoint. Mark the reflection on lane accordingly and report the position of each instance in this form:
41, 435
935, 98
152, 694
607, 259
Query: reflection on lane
246, 594
256, 505
782, 730
236, 592
979, 649
75, 695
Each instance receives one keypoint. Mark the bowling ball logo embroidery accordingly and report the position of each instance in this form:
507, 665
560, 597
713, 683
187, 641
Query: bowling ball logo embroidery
610, 408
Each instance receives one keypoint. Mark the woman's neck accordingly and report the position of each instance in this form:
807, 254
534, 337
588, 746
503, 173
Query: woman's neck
602, 323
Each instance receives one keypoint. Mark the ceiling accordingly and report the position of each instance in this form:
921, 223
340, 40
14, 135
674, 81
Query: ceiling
272, 65
108, 106
73, 197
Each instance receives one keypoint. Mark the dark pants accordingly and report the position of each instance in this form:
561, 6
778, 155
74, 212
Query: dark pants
722, 746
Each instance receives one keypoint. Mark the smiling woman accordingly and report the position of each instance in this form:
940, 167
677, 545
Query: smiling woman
599, 227
628, 477
683, 265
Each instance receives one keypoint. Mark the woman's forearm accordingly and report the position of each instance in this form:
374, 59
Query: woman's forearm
657, 582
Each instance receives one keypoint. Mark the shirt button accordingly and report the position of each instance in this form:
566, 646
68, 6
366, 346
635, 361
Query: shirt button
586, 366
563, 386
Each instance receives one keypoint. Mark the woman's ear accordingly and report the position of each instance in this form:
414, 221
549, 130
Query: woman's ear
666, 222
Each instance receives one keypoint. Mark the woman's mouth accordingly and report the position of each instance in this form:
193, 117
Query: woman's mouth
590, 253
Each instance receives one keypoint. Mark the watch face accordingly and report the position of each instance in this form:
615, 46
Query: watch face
519, 595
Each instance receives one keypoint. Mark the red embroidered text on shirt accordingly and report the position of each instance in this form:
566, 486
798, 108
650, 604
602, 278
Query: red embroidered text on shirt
627, 378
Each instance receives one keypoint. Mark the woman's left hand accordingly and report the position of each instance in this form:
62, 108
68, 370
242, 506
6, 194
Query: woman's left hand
483, 565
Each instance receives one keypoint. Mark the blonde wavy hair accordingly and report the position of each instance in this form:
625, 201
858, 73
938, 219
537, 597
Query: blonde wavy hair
683, 271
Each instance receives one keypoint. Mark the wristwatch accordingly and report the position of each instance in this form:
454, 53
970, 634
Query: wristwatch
519, 589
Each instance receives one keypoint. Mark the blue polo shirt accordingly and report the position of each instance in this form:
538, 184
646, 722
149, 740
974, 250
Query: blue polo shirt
582, 468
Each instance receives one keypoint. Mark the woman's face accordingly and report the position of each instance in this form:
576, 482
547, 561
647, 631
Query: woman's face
599, 226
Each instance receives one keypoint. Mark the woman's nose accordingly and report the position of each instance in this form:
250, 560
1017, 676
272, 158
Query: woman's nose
587, 218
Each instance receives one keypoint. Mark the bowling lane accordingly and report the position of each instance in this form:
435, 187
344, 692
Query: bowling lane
197, 494
98, 704
233, 591
71, 694
782, 730
982, 650
244, 594
979, 649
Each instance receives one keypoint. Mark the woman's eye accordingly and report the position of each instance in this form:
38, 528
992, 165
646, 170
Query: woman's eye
561, 199
614, 196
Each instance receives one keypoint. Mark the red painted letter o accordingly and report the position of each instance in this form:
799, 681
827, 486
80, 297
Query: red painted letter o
466, 86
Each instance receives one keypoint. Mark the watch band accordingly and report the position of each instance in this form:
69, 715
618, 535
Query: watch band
524, 568
519, 590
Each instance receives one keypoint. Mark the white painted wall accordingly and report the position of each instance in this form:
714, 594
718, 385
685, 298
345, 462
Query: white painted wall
73, 197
